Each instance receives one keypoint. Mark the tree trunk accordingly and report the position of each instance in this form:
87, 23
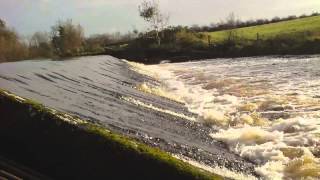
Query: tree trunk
158, 38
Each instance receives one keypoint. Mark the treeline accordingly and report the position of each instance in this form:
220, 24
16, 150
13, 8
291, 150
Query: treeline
65, 39
173, 37
233, 22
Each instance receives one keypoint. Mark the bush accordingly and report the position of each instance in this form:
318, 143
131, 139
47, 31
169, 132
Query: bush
11, 48
67, 38
185, 39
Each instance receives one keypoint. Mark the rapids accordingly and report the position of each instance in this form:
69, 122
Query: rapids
267, 108
243, 118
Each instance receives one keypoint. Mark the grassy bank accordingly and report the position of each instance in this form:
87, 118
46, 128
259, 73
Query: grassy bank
309, 26
65, 147
293, 37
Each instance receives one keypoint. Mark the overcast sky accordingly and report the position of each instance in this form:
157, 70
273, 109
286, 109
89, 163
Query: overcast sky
100, 16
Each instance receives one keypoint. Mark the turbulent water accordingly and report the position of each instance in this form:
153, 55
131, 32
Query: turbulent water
267, 109
255, 116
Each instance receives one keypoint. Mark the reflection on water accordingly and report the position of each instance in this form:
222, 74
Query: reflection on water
268, 109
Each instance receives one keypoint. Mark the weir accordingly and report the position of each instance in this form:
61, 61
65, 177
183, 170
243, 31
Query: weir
108, 131
66, 147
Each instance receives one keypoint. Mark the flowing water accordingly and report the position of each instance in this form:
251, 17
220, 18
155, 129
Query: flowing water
255, 116
106, 90
267, 108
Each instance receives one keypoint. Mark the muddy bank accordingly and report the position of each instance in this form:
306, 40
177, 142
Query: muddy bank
93, 88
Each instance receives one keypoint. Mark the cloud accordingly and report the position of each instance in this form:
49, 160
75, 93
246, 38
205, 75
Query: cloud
103, 3
103, 15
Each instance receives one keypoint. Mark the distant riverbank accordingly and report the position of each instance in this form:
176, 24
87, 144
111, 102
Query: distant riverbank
155, 56
178, 44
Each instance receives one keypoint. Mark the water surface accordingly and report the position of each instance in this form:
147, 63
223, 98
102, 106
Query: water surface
268, 108
103, 89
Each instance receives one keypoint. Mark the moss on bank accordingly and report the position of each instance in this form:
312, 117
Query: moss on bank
66, 147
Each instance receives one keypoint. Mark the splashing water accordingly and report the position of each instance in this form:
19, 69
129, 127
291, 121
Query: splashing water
268, 109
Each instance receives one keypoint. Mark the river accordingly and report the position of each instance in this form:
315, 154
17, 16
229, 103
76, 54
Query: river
267, 108
242, 118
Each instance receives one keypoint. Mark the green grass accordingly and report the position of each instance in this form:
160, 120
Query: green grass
309, 27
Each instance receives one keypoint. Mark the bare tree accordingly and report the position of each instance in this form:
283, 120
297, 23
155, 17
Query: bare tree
2, 24
150, 12
39, 38
67, 38
232, 22
40, 45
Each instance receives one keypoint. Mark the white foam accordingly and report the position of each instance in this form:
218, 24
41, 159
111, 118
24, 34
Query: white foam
150, 106
274, 147
268, 108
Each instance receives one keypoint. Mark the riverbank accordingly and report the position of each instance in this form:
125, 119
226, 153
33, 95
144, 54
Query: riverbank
292, 37
156, 56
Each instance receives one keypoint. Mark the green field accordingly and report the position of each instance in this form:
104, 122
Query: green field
308, 27
293, 37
